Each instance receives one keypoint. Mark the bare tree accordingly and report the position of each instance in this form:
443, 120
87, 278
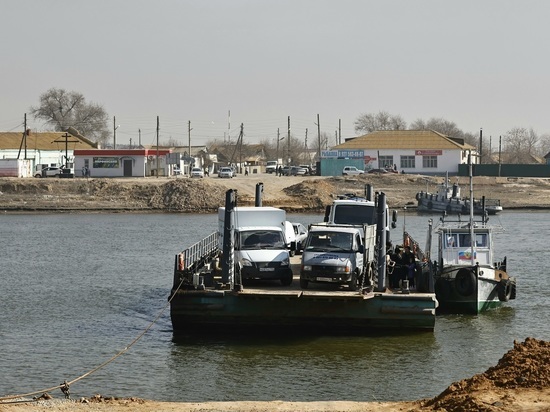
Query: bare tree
61, 109
371, 122
517, 145
440, 125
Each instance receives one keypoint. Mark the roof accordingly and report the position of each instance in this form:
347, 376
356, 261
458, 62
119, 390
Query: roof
44, 141
120, 152
405, 139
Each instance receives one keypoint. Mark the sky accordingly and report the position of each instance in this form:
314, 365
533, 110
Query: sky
213, 65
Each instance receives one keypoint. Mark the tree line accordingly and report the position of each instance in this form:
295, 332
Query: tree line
61, 109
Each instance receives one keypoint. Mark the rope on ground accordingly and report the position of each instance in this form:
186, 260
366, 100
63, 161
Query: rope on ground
66, 385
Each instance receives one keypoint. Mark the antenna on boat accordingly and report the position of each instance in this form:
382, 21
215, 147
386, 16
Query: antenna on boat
472, 238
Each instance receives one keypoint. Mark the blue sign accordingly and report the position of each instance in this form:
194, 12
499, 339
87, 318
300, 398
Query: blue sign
342, 154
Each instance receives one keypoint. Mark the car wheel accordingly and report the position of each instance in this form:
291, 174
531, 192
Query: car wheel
287, 280
354, 282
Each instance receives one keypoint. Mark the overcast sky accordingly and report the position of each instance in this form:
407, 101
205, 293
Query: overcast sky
480, 64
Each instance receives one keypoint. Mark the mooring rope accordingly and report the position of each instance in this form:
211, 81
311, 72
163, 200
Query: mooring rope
66, 385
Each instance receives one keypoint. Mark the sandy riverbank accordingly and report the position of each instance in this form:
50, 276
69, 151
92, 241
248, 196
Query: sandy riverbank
519, 382
300, 194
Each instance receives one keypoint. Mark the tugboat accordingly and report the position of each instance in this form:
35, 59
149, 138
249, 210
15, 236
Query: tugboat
448, 200
467, 278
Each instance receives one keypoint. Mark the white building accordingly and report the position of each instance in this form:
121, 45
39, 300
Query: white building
409, 151
122, 162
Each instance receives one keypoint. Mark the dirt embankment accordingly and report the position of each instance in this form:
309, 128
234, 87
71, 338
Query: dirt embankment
307, 194
519, 382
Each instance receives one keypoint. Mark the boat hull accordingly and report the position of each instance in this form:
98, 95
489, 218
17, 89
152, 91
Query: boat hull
321, 312
453, 207
455, 297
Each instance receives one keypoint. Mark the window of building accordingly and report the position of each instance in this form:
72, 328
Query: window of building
386, 161
407, 162
429, 162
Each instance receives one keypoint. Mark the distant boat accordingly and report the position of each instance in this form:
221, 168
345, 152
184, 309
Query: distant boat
467, 278
448, 199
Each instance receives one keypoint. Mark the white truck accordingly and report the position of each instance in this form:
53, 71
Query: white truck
272, 165
354, 210
261, 251
339, 254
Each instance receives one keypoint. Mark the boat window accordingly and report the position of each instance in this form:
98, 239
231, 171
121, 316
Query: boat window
464, 240
481, 239
450, 240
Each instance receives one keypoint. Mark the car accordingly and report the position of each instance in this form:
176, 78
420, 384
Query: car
351, 170
271, 166
177, 170
285, 171
298, 171
378, 171
308, 169
197, 172
49, 172
225, 172
301, 235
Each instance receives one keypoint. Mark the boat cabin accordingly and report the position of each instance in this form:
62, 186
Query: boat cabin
456, 248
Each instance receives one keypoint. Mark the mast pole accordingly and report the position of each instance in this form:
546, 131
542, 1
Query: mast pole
472, 238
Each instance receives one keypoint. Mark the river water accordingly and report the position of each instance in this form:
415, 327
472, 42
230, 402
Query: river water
79, 288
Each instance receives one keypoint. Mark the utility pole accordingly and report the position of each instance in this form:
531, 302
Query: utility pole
318, 138
158, 166
276, 169
288, 134
114, 132
25, 133
339, 131
189, 135
23, 139
139, 137
67, 141
229, 127
480, 145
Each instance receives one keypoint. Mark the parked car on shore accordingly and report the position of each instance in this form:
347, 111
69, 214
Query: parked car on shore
197, 172
351, 170
298, 171
49, 172
225, 172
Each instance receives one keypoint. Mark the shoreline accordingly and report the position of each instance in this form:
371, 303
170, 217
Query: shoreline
309, 194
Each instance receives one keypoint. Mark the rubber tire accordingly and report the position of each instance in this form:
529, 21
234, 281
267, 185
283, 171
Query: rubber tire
304, 283
465, 282
287, 280
504, 290
354, 282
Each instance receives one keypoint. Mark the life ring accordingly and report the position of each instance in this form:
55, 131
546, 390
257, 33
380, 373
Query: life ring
504, 290
465, 282
430, 205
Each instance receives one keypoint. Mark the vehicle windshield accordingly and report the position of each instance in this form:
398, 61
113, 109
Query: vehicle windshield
355, 215
261, 239
335, 241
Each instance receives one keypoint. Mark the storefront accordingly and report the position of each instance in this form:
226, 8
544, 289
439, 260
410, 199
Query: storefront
121, 163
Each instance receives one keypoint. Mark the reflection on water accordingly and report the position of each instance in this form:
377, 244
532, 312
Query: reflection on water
69, 305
